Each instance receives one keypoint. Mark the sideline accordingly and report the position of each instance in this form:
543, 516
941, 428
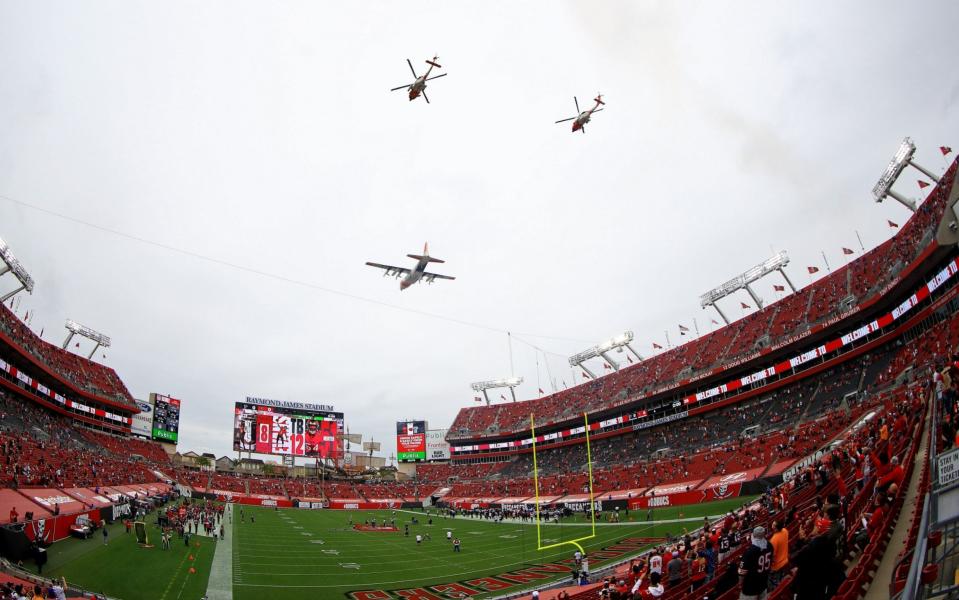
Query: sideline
220, 584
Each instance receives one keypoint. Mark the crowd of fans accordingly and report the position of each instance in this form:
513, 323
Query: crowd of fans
41, 449
84, 374
860, 280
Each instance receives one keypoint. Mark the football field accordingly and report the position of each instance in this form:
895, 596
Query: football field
124, 569
318, 554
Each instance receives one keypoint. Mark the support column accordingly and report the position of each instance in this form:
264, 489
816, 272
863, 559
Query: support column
13, 293
759, 303
788, 282
721, 314
902, 200
611, 362
636, 354
923, 170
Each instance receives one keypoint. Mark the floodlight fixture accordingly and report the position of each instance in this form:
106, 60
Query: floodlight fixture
82, 330
492, 384
617, 342
903, 158
775, 263
13, 266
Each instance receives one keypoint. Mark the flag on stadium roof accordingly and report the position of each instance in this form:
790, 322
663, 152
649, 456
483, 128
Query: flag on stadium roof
477, 399
744, 305
945, 150
847, 251
541, 391
922, 184
715, 322
683, 329
585, 376
657, 346
607, 367
778, 288
891, 224
812, 270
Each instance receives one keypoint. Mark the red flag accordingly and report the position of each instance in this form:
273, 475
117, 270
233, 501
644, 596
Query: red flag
26, 315
891, 224
78, 344
847, 251
779, 288
477, 399
607, 367
657, 346
922, 184
502, 396
715, 322
744, 305
683, 329
812, 270
541, 391
629, 359
945, 150
585, 376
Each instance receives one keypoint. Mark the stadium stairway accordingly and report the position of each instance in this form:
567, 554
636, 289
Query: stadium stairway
880, 581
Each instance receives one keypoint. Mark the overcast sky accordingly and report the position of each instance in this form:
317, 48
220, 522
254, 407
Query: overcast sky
264, 134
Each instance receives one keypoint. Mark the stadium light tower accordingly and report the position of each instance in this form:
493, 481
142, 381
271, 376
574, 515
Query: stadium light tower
506, 382
602, 350
902, 159
12, 265
742, 281
75, 328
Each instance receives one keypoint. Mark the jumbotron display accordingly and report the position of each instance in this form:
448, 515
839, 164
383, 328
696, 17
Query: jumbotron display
286, 428
166, 418
410, 441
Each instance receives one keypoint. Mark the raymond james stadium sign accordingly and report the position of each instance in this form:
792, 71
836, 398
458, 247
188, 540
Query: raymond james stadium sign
287, 404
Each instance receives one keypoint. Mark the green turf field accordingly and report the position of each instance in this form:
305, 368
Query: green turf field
123, 569
317, 554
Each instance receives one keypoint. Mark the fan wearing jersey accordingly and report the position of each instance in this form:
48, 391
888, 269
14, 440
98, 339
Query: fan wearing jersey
754, 567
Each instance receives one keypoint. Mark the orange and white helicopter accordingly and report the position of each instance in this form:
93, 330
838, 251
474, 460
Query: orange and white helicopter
419, 83
581, 119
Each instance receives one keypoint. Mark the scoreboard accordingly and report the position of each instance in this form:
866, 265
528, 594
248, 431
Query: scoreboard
287, 429
410, 441
166, 418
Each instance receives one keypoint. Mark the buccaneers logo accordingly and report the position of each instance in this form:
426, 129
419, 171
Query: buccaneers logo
40, 532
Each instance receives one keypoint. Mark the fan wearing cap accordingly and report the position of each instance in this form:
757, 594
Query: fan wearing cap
754, 567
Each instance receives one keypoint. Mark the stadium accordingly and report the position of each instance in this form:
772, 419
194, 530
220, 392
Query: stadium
801, 445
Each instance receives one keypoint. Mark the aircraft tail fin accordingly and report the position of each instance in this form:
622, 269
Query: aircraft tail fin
426, 255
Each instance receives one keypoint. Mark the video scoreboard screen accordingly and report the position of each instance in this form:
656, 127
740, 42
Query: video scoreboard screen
166, 418
286, 428
410, 441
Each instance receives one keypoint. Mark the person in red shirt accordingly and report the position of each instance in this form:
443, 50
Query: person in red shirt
14, 515
894, 475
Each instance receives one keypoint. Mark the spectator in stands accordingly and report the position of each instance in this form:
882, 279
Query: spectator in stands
753, 568
895, 475
675, 569
780, 543
817, 570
